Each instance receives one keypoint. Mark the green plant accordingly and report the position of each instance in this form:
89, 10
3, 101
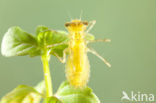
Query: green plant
17, 42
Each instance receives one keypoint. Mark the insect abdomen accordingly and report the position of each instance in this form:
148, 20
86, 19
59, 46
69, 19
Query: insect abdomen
77, 67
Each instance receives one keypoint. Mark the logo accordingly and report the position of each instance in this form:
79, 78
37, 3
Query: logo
137, 96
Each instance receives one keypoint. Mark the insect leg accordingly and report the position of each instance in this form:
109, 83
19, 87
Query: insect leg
95, 53
92, 23
63, 60
99, 40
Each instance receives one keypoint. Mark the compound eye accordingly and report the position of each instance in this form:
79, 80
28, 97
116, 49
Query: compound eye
67, 24
85, 23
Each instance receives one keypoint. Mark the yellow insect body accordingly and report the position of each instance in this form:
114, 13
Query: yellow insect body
77, 65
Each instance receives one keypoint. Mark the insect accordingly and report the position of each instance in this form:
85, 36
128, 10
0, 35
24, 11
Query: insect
77, 63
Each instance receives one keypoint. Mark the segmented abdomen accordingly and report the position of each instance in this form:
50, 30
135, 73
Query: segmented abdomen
77, 66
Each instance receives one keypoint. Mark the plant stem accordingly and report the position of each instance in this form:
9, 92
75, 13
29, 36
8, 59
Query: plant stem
48, 82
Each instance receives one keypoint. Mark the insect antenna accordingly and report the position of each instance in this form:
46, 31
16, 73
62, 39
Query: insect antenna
69, 15
81, 14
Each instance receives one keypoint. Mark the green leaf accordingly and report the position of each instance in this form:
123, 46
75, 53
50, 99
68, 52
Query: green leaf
68, 94
58, 50
25, 94
35, 97
17, 42
40, 87
50, 37
18, 94
52, 100
41, 28
55, 39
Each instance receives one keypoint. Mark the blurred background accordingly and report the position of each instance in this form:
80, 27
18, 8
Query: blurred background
130, 24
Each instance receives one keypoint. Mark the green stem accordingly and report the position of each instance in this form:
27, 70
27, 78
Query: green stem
48, 82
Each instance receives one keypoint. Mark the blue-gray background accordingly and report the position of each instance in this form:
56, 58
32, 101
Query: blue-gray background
131, 24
